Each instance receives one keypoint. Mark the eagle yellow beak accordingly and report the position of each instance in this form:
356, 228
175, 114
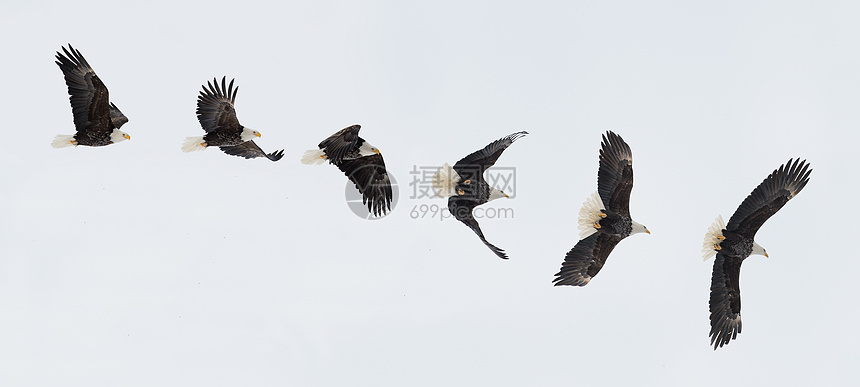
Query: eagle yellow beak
259, 135
127, 137
377, 151
646, 230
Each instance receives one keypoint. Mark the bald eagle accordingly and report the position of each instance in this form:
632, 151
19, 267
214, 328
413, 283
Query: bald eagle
465, 187
735, 242
217, 116
361, 162
604, 219
97, 120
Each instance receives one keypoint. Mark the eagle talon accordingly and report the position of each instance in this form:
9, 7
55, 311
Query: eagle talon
467, 182
720, 237
717, 247
596, 225
602, 215
461, 192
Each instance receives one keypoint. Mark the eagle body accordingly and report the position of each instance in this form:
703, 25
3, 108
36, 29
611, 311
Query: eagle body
95, 138
224, 138
477, 192
736, 245
616, 224
332, 148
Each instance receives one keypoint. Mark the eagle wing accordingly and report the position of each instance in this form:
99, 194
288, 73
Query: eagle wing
766, 199
615, 175
87, 94
585, 259
338, 145
725, 302
116, 116
250, 150
370, 177
215, 107
461, 208
472, 167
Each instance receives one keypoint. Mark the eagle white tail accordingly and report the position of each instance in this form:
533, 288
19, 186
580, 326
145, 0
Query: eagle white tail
713, 237
445, 181
590, 214
64, 140
193, 144
314, 157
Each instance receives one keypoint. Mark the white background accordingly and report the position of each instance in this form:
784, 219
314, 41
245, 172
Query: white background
139, 265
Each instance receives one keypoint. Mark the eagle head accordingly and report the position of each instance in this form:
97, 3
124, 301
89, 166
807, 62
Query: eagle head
118, 135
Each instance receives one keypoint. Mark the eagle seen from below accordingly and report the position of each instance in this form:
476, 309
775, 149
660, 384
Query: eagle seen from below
735, 241
465, 187
604, 219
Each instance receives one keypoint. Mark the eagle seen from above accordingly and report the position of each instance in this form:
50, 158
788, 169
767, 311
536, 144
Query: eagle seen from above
97, 120
217, 115
361, 162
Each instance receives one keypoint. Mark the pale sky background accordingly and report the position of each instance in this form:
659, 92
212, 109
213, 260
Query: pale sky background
139, 265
